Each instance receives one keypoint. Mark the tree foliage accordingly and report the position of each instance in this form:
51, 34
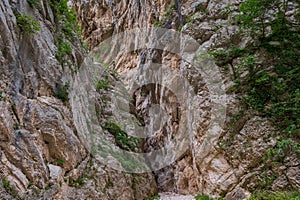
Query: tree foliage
258, 16
273, 86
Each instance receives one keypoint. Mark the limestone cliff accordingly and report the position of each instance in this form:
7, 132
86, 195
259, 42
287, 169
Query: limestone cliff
42, 154
229, 164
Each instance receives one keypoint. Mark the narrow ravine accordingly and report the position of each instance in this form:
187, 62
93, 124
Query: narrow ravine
143, 100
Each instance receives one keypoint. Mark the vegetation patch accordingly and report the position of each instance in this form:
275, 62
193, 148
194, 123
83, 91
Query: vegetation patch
99, 149
66, 17
157, 23
34, 3
64, 52
104, 83
27, 24
269, 74
271, 82
165, 16
48, 187
128, 162
273, 85
291, 195
60, 162
1, 97
121, 137
156, 196
283, 148
62, 91
67, 31
9, 188
76, 183
223, 56
30, 185
203, 197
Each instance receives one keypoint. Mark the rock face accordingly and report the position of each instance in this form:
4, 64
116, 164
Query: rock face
36, 128
41, 155
229, 161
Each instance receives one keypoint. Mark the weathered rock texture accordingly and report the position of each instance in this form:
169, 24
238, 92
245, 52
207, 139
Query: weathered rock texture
36, 128
41, 155
232, 164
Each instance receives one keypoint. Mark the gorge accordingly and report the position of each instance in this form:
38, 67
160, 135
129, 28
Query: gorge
197, 73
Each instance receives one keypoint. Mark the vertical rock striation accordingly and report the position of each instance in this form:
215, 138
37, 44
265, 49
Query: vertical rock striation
41, 155
213, 165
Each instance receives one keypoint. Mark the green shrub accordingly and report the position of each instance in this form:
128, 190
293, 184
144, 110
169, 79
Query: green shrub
226, 56
9, 188
180, 28
103, 83
33, 3
121, 137
64, 52
156, 196
76, 183
30, 185
60, 162
48, 187
66, 17
62, 91
157, 23
67, 31
265, 180
203, 197
27, 24
112, 127
282, 148
292, 195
